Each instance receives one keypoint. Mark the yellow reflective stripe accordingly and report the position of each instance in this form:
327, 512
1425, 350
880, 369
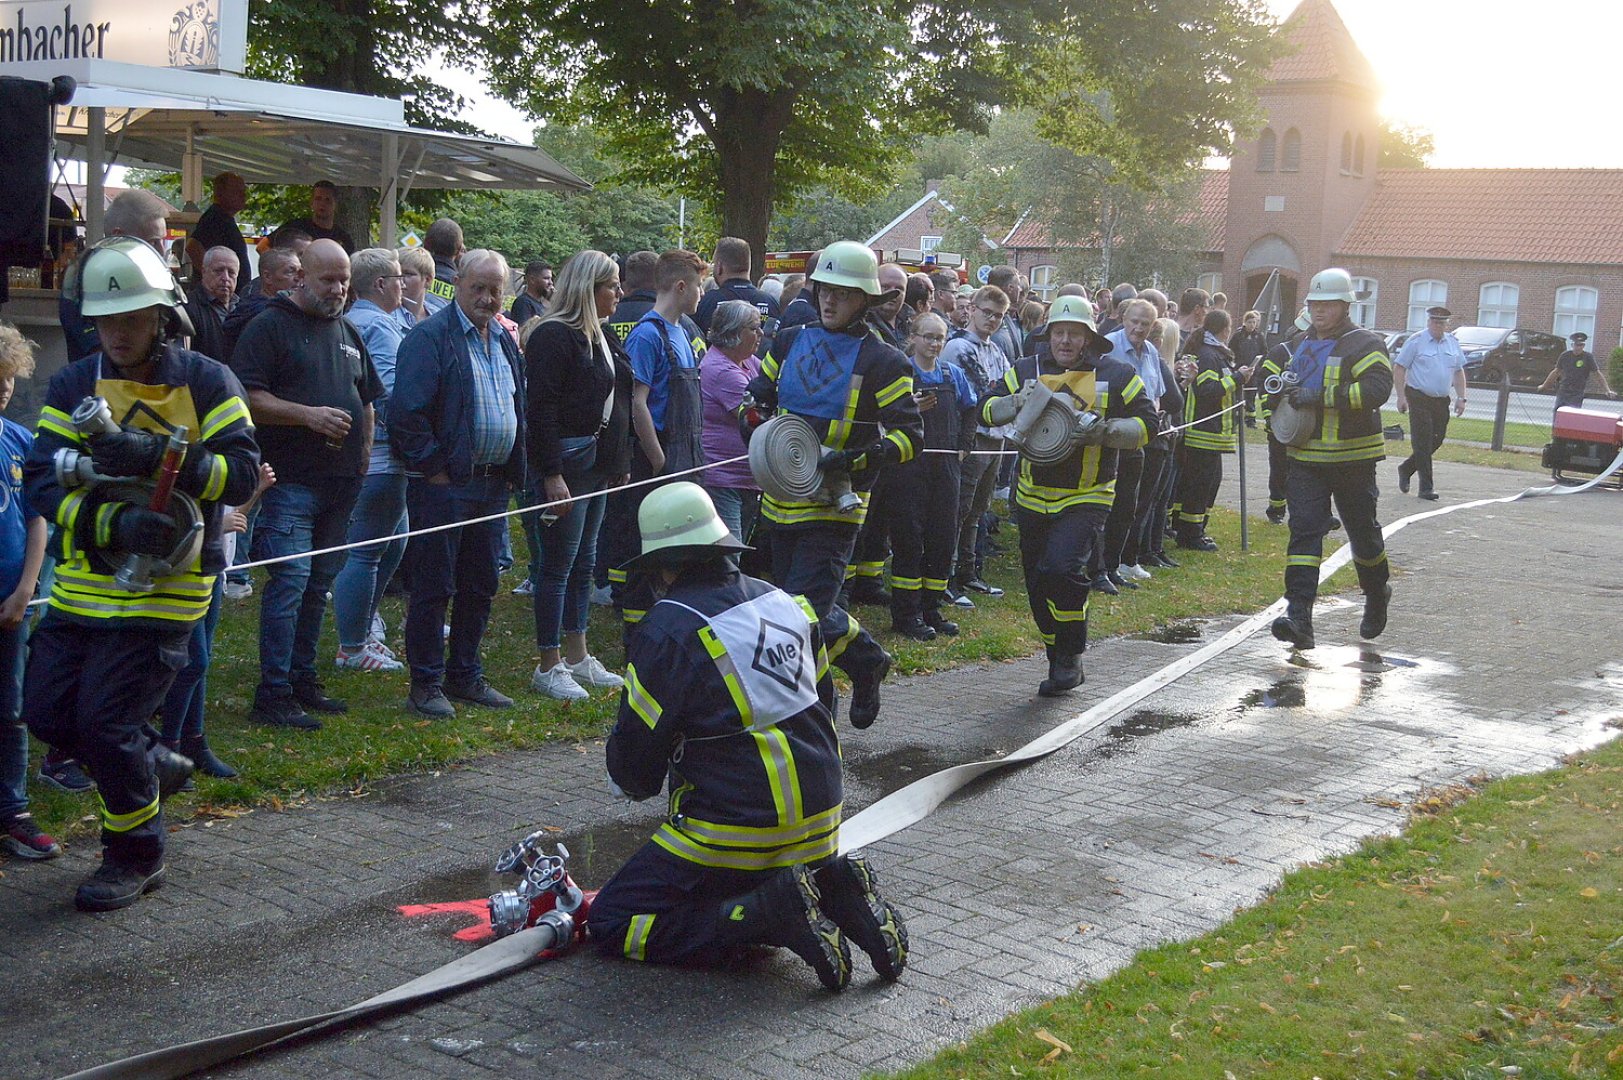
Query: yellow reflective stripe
869, 569
125, 822
729, 674
805, 605
617, 576
78, 575
1310, 561
1324, 452
1048, 639
218, 470
771, 366
840, 430
1374, 359
895, 390
1376, 561
904, 444
637, 936
104, 523
225, 414
762, 836
1097, 497
853, 628
936, 584
641, 701
58, 422
906, 584
1065, 615
673, 841
794, 513
777, 760
67, 511
632, 616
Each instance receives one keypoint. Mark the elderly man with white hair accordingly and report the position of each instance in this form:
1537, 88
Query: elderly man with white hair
456, 420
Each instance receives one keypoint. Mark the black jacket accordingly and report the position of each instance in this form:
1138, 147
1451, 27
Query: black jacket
566, 385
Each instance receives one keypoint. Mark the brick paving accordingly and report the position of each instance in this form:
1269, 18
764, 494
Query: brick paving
1156, 827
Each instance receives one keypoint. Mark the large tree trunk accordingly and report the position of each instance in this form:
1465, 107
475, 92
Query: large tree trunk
749, 127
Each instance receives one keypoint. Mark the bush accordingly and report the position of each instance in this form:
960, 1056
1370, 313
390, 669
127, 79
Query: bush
1614, 369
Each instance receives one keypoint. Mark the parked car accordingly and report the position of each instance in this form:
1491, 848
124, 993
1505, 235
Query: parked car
1528, 355
1394, 339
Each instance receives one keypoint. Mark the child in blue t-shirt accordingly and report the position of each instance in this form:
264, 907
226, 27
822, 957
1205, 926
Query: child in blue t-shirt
22, 551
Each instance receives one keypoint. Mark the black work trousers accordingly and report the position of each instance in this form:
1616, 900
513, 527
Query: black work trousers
1200, 474
88, 693
1055, 550
873, 538
1150, 520
1428, 427
1311, 488
1278, 469
810, 561
923, 496
1123, 512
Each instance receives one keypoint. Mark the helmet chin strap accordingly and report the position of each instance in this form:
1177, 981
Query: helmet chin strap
857, 327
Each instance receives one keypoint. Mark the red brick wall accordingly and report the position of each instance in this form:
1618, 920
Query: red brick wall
927, 220
1535, 307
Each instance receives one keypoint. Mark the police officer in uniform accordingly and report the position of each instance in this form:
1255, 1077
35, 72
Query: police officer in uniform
1570, 376
728, 698
107, 649
837, 375
1061, 507
1343, 377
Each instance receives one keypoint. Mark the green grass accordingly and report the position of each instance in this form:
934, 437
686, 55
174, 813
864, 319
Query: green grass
1482, 942
377, 738
1464, 452
1463, 429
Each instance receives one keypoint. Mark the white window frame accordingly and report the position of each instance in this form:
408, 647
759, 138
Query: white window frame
1575, 307
927, 244
1210, 283
1492, 309
1362, 312
1429, 292
1044, 282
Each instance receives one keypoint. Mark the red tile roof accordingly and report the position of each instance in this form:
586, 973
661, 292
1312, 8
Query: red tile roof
1320, 48
1500, 215
1210, 211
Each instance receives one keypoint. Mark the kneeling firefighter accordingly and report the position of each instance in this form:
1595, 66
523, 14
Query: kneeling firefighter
857, 393
1073, 407
137, 448
728, 694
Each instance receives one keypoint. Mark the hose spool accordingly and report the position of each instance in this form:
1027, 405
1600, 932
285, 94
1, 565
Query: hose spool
1291, 424
1046, 428
186, 514
784, 453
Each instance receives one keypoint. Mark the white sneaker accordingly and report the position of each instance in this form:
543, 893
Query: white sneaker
367, 659
376, 645
238, 590
558, 683
524, 588
591, 672
1138, 573
380, 629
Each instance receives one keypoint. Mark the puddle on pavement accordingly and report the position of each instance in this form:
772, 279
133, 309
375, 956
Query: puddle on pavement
893, 769
1334, 677
1124, 734
1286, 693
595, 853
1186, 632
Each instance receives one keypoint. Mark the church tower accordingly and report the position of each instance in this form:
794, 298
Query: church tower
1296, 185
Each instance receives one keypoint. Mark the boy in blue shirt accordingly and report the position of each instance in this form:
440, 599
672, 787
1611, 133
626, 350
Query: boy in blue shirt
22, 551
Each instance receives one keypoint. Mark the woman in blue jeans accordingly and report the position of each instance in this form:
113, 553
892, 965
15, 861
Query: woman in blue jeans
578, 382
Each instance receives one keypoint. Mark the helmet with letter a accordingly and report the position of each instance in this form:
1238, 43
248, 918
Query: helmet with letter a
850, 265
680, 526
122, 274
1332, 284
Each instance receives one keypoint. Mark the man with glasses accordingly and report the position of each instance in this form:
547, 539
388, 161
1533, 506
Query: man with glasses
1427, 365
985, 364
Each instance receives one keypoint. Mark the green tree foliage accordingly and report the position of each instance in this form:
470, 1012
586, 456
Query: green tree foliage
822, 216
1404, 146
747, 102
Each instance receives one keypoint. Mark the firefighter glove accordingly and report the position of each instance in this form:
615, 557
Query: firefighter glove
1304, 396
127, 453
840, 460
143, 532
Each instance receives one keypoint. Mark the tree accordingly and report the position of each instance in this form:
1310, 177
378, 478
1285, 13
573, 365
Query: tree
746, 102
1404, 146
823, 216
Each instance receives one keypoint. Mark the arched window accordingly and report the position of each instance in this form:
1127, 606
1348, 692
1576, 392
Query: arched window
1358, 157
1363, 309
1496, 304
1575, 311
1042, 282
1422, 295
1291, 158
1265, 151
1346, 152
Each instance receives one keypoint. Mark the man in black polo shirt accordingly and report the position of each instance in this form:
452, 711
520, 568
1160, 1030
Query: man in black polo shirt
218, 228
731, 270
322, 224
310, 388
1570, 376
532, 302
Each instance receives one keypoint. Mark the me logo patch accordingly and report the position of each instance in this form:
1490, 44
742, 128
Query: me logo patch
779, 654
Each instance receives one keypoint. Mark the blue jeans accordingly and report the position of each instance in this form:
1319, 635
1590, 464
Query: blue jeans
14, 741
568, 548
737, 508
297, 519
455, 568
182, 708
357, 590
244, 550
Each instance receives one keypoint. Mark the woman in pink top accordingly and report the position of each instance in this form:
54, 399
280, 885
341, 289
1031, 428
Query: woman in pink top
724, 372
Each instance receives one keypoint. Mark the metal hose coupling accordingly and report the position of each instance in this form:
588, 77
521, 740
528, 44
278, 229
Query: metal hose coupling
1275, 384
545, 893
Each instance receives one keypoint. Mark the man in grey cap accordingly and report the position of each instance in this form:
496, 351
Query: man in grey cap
1570, 376
1427, 365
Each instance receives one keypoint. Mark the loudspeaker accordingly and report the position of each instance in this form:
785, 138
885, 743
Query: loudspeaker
25, 169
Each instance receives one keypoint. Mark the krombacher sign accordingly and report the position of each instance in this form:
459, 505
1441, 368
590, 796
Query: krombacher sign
208, 34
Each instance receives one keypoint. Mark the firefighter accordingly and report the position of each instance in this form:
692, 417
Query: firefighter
106, 649
1343, 377
1273, 364
728, 696
1061, 507
1209, 430
841, 378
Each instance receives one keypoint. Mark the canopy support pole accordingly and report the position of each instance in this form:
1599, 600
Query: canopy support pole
388, 191
95, 174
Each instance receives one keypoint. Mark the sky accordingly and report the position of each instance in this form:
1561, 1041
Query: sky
1497, 84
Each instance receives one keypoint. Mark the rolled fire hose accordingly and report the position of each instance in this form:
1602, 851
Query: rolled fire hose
891, 814
1045, 429
784, 459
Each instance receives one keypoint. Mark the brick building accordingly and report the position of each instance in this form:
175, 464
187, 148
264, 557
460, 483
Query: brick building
1536, 248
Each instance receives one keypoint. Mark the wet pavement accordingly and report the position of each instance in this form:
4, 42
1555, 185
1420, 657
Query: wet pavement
1500, 658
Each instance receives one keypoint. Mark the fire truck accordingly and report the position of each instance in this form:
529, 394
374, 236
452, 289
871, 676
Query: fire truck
913, 260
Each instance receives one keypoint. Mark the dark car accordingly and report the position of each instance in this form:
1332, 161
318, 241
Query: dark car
1528, 355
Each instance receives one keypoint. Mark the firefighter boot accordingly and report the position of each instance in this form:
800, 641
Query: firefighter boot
785, 912
117, 884
171, 768
1064, 674
865, 694
850, 896
1376, 601
1296, 630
